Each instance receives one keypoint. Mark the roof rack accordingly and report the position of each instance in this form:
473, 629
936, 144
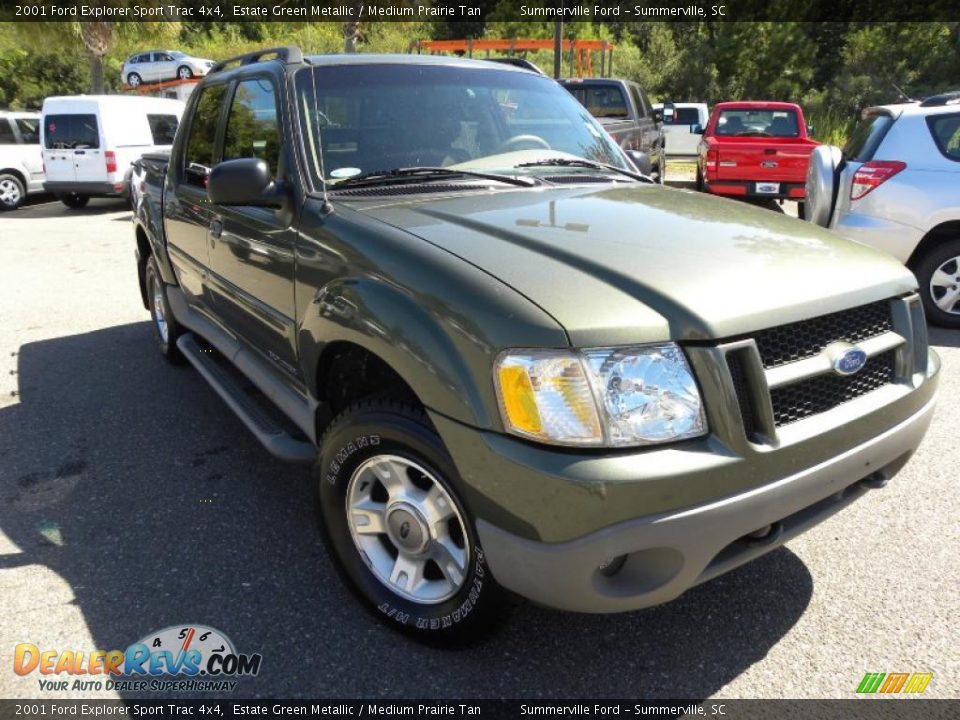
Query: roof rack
289, 54
948, 98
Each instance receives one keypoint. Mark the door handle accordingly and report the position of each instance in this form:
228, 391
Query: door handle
216, 228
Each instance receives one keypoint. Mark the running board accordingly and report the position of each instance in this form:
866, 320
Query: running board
274, 438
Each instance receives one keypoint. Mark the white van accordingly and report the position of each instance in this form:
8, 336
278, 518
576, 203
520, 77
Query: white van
679, 137
90, 141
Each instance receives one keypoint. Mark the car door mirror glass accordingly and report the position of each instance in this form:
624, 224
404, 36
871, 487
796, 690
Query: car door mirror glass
696, 129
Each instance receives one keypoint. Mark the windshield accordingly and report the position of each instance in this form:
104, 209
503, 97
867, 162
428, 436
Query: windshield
771, 123
374, 117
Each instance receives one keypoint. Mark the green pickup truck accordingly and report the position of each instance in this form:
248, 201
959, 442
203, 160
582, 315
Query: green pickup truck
514, 361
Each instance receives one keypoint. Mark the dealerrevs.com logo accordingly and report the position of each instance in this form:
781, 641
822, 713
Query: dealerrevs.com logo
186, 658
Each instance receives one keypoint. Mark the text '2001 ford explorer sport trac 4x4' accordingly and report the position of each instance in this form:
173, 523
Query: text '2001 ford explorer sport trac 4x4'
515, 362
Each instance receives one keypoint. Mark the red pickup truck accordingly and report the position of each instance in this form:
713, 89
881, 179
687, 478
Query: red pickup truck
755, 149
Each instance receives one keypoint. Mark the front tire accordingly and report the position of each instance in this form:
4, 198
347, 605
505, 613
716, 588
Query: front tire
134, 80
938, 274
75, 201
166, 329
184, 73
12, 192
397, 529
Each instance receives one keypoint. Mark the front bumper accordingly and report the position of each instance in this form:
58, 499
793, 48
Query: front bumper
540, 512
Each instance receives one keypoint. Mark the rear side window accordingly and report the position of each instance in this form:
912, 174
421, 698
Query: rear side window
29, 130
71, 132
866, 138
203, 134
6, 133
252, 125
163, 128
946, 134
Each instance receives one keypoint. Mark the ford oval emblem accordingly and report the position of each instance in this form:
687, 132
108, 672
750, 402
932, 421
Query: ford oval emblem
849, 361
769, 164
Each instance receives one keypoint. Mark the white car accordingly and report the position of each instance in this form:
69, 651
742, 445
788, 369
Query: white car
21, 164
680, 138
159, 65
896, 187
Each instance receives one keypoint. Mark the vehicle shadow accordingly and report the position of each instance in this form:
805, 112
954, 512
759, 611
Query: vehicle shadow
134, 483
55, 209
943, 337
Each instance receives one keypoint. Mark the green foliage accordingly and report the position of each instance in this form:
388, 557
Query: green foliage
832, 69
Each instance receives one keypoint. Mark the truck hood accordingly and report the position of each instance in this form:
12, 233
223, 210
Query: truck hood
620, 264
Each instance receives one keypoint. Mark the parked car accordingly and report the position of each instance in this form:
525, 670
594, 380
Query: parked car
21, 166
680, 124
159, 65
624, 111
90, 141
532, 369
896, 187
755, 149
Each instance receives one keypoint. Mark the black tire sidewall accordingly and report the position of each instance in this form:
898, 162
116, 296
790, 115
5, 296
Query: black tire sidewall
137, 76
924, 270
180, 74
376, 428
167, 347
75, 201
23, 191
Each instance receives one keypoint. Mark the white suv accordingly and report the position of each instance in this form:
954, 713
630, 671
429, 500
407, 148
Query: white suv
896, 187
21, 165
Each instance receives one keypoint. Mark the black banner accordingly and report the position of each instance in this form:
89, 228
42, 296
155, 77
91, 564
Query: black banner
478, 10
853, 709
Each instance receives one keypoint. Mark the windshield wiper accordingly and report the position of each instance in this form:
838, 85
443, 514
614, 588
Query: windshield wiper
380, 177
580, 162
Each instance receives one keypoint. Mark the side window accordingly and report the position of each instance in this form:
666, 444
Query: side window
946, 133
252, 125
162, 57
643, 105
201, 147
163, 128
29, 130
6, 133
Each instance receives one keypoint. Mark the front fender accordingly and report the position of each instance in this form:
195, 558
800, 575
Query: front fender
439, 357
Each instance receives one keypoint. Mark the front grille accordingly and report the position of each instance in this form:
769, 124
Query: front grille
807, 338
739, 378
824, 392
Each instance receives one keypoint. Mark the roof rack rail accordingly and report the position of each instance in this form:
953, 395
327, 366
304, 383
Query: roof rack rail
948, 98
288, 54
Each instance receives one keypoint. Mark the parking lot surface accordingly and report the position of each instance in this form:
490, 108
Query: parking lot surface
132, 499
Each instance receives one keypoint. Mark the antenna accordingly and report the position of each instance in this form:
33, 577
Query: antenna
902, 93
326, 208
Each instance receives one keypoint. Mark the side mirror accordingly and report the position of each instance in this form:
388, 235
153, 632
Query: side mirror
245, 181
696, 129
658, 115
809, 129
641, 160
669, 111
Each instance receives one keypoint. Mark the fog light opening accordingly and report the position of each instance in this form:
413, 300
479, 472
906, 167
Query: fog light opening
611, 566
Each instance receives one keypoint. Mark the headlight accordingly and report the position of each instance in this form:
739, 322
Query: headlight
612, 397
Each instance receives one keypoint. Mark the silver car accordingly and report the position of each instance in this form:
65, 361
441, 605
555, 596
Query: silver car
896, 187
159, 65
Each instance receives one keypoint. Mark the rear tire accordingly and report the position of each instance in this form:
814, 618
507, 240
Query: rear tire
12, 192
699, 183
166, 329
938, 274
75, 201
802, 210
383, 470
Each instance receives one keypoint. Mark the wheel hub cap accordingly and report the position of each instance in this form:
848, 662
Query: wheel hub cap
408, 529
943, 286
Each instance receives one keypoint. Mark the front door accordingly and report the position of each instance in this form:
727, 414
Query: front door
252, 248
187, 211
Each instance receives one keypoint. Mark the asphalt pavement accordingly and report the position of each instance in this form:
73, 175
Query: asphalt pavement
131, 499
